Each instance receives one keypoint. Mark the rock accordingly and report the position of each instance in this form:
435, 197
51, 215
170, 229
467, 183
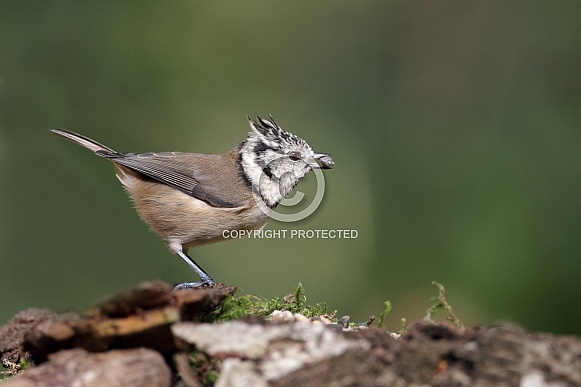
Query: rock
77, 367
262, 354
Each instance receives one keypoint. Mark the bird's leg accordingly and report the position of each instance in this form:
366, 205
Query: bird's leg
206, 280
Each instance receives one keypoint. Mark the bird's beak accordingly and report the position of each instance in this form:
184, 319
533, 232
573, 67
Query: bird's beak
323, 161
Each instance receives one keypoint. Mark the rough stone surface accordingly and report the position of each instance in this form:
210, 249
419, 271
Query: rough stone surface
270, 351
77, 367
104, 346
13, 332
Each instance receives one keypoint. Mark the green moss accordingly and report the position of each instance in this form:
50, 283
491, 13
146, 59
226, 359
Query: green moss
237, 306
403, 326
212, 377
440, 304
13, 369
205, 368
383, 314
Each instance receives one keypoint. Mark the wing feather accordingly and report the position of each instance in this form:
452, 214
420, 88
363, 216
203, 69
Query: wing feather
205, 177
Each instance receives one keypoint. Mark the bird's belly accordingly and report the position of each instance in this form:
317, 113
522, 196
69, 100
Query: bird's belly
215, 224
185, 220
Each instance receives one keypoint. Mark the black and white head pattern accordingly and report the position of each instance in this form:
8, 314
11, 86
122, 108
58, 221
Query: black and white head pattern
274, 160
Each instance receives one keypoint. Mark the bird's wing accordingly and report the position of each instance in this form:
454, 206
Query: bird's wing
215, 179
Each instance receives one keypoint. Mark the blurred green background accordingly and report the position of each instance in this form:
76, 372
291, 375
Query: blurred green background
455, 128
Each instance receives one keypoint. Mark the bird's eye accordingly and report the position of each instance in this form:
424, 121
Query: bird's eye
294, 156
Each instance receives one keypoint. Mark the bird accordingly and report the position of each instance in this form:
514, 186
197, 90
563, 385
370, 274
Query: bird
190, 199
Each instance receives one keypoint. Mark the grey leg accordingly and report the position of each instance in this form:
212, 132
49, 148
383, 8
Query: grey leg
206, 280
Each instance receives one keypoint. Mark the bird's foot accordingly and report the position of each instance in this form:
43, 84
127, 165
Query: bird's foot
194, 285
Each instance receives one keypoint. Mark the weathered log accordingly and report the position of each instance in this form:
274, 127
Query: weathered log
77, 367
140, 317
275, 352
12, 333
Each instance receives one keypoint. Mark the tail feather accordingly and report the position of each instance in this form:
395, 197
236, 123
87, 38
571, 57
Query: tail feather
93, 145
